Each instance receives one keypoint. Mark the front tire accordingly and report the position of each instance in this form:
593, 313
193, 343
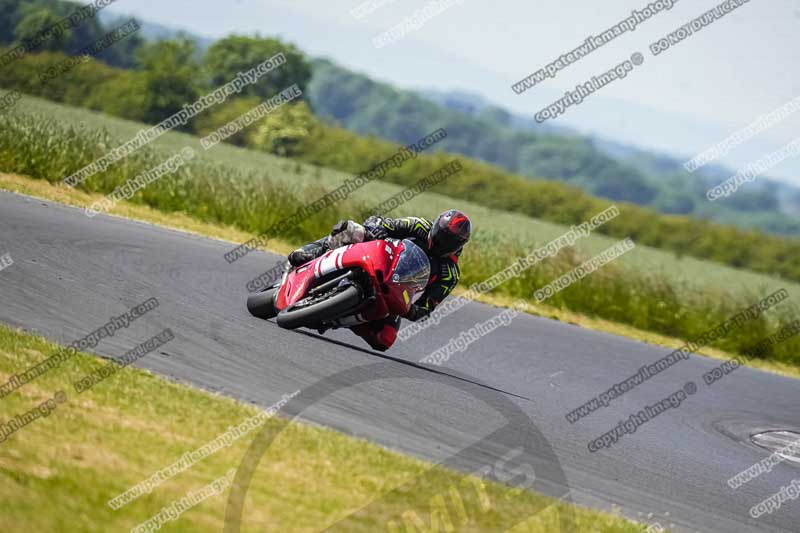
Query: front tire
310, 316
262, 304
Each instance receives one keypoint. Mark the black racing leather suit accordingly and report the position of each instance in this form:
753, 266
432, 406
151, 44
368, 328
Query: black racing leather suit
444, 270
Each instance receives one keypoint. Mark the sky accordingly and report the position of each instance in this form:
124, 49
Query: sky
682, 101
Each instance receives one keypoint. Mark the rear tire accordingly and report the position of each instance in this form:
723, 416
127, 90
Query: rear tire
262, 304
314, 315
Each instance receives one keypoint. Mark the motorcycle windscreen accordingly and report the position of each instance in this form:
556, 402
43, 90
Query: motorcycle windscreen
413, 269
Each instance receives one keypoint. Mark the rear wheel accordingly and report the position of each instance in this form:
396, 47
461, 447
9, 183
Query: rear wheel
314, 310
262, 304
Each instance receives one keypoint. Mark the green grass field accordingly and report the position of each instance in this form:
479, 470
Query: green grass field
58, 472
691, 273
647, 289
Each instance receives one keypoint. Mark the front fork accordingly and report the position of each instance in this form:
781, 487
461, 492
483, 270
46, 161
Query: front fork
351, 277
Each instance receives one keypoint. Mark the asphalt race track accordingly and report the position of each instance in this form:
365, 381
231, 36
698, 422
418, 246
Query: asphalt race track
72, 273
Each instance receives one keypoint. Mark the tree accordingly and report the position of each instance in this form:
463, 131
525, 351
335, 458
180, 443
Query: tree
36, 22
123, 94
9, 18
749, 201
123, 53
171, 77
222, 114
227, 57
621, 183
674, 202
283, 131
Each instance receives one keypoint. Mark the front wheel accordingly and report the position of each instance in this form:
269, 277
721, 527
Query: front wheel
262, 304
312, 311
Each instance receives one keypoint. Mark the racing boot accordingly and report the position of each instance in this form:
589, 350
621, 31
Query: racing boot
308, 252
344, 232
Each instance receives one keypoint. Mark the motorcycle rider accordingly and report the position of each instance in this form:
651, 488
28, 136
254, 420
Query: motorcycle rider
443, 239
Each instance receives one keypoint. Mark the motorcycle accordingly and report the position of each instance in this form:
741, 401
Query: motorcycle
347, 286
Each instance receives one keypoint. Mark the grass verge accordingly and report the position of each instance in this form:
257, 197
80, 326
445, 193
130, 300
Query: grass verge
75, 197
58, 472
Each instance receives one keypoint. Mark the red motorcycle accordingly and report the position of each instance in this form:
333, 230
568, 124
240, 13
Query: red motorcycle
351, 285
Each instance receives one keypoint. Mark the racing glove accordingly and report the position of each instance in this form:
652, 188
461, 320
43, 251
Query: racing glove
377, 233
375, 229
416, 313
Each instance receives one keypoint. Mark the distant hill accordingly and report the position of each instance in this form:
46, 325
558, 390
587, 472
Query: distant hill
785, 197
474, 104
605, 168
152, 31
479, 129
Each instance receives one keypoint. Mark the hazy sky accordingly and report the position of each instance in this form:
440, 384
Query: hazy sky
687, 98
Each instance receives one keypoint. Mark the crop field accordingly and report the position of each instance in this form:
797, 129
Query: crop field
688, 272
647, 288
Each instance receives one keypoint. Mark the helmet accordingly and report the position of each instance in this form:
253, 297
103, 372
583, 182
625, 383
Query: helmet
449, 233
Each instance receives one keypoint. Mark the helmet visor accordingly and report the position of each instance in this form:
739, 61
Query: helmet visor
445, 243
